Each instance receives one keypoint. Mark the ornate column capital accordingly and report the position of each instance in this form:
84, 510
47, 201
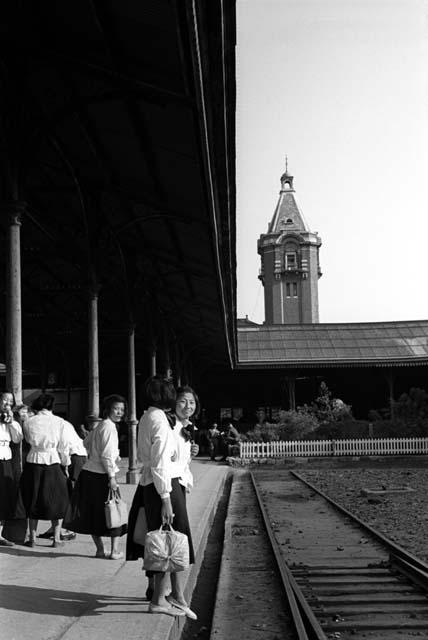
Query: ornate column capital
14, 210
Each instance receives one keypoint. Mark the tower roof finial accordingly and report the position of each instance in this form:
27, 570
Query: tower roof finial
286, 164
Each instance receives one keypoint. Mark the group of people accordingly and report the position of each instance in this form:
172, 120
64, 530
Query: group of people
54, 455
67, 480
223, 443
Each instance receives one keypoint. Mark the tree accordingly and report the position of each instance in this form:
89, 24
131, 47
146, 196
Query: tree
411, 410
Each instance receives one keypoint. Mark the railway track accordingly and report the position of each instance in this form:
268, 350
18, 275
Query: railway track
343, 579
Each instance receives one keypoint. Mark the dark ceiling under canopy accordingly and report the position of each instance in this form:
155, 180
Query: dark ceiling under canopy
117, 132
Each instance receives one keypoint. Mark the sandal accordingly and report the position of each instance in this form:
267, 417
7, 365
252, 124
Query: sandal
118, 555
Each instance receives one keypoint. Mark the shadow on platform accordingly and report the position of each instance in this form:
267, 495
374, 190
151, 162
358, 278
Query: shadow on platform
60, 603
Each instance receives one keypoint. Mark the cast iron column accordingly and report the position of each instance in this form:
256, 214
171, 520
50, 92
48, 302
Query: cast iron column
93, 382
132, 473
153, 362
15, 212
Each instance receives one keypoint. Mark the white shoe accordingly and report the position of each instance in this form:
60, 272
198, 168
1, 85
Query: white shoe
183, 607
169, 611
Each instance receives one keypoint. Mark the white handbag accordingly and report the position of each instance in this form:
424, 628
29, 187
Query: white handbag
166, 550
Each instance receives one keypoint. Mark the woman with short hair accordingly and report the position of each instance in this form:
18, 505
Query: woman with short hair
96, 479
10, 432
43, 481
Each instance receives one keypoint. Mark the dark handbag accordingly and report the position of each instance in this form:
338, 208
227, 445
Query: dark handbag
116, 510
166, 550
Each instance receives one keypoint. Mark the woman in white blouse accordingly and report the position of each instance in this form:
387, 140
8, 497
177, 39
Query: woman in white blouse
10, 431
98, 476
43, 481
164, 496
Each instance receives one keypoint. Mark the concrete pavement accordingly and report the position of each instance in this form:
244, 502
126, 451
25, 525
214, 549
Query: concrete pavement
67, 593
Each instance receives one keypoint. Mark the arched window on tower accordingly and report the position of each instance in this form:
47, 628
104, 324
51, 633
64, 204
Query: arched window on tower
290, 260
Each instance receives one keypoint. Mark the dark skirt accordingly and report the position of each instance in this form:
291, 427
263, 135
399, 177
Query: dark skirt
86, 510
153, 504
44, 491
10, 503
134, 550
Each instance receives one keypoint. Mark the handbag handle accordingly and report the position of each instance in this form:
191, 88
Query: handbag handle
114, 494
166, 528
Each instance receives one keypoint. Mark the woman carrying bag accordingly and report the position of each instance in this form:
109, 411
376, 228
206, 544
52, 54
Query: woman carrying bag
97, 481
164, 499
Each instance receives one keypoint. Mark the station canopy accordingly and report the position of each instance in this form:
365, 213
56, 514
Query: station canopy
117, 127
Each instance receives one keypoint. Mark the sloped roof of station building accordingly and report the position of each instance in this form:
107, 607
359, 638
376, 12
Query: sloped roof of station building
333, 345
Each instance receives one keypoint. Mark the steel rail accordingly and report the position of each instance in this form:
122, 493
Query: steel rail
408, 564
306, 625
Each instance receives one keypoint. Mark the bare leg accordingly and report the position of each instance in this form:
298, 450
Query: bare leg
3, 541
33, 528
177, 584
56, 526
115, 544
99, 544
160, 584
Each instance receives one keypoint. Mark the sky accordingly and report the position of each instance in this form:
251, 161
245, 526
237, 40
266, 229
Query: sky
340, 87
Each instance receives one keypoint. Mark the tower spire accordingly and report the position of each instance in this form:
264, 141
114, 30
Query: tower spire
290, 262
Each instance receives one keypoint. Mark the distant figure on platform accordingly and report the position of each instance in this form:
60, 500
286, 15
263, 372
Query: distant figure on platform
10, 431
98, 476
214, 441
44, 478
230, 440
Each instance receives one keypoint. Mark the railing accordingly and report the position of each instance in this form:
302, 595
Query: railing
351, 447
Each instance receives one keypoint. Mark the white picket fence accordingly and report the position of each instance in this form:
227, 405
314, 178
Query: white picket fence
354, 447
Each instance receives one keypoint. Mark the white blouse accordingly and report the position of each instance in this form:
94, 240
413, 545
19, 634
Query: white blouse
102, 445
182, 463
10, 431
156, 449
46, 435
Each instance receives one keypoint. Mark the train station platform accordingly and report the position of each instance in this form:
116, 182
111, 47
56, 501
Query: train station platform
68, 594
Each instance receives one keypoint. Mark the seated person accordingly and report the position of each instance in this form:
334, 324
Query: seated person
230, 437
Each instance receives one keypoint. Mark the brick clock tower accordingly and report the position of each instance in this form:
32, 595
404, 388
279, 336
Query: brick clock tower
290, 266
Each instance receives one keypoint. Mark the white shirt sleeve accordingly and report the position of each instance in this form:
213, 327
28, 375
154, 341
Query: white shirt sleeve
64, 445
108, 447
15, 431
160, 456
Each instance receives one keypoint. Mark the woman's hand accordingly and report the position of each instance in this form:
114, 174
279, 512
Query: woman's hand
194, 450
112, 483
166, 511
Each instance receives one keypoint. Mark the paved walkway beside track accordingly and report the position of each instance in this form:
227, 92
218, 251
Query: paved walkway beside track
68, 594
